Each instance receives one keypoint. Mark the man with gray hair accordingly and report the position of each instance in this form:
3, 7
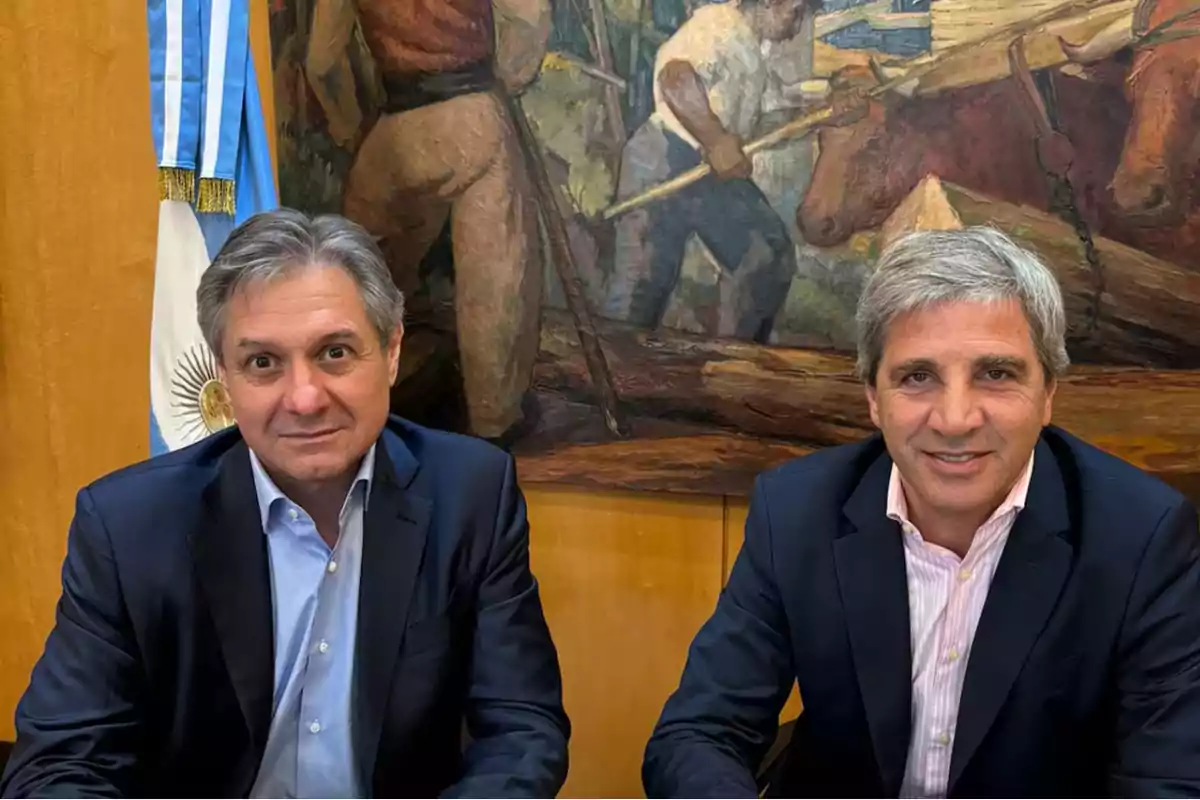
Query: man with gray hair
323, 601
972, 601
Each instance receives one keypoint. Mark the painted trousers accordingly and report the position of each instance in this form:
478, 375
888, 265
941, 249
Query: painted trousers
460, 158
734, 220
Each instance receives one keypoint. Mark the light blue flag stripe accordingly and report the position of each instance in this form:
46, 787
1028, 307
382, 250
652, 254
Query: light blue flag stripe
237, 74
175, 80
226, 28
158, 445
156, 24
256, 178
193, 86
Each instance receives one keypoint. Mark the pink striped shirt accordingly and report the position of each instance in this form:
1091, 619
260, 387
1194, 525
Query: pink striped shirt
945, 600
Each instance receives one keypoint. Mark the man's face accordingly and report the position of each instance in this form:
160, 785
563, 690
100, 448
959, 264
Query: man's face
961, 399
783, 19
307, 376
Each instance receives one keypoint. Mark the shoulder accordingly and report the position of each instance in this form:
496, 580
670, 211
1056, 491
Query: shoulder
162, 483
711, 18
451, 458
468, 487
1107, 491
146, 511
709, 33
823, 479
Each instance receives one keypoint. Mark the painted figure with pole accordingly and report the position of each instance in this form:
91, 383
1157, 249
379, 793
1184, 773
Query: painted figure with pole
709, 82
445, 149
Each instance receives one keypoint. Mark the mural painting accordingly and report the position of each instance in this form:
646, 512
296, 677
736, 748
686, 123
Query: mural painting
632, 232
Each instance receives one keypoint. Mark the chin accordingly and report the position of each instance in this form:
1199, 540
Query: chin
318, 467
967, 499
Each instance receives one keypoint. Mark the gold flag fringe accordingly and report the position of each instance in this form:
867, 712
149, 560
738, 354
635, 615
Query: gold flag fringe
216, 196
176, 183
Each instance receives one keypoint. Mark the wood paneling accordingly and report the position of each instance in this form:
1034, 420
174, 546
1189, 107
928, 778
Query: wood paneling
626, 582
78, 214
77, 219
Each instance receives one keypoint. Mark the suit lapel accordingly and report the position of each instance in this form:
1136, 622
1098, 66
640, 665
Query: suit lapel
1024, 591
871, 575
230, 553
394, 533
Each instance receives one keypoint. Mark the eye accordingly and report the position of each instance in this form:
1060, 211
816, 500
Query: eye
259, 363
337, 352
998, 374
916, 378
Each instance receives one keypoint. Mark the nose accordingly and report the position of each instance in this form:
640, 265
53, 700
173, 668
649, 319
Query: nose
1147, 198
830, 229
822, 230
956, 414
305, 394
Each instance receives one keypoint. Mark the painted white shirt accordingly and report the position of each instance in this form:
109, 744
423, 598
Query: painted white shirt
729, 58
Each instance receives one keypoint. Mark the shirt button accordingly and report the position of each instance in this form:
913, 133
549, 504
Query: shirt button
964, 574
332, 567
952, 655
323, 646
293, 513
315, 727
942, 738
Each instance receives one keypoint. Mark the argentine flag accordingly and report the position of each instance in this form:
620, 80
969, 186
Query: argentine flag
214, 171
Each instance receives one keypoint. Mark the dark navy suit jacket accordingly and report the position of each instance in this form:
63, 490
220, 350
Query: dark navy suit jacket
157, 678
1084, 675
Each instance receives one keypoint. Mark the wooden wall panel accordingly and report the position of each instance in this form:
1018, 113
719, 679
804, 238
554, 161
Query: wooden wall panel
626, 582
78, 215
77, 219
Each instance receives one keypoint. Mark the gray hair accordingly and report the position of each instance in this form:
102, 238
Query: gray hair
274, 243
981, 264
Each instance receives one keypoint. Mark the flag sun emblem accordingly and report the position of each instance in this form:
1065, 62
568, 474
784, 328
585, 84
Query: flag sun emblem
200, 400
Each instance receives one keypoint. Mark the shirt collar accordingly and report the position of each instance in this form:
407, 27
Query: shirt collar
269, 494
897, 503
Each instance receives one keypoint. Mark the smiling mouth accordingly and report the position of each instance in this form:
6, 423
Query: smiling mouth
956, 458
312, 435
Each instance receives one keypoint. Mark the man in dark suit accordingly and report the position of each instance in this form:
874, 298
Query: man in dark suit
320, 602
973, 602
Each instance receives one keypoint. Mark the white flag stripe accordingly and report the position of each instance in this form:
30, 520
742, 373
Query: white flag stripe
218, 43
173, 83
181, 259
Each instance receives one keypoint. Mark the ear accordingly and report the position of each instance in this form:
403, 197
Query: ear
1047, 412
873, 404
393, 354
222, 375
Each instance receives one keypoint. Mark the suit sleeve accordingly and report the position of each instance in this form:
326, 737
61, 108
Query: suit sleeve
515, 714
78, 722
716, 727
1158, 667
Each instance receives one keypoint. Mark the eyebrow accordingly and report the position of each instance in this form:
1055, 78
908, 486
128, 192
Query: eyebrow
1017, 365
342, 334
913, 365
253, 344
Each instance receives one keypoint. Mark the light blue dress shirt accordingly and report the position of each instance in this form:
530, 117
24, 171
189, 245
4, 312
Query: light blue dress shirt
314, 594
